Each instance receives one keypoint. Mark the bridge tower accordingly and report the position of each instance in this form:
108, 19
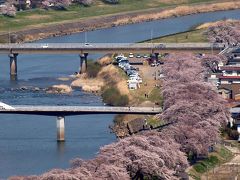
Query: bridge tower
60, 128
13, 64
83, 63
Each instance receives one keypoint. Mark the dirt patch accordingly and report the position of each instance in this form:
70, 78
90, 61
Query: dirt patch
38, 16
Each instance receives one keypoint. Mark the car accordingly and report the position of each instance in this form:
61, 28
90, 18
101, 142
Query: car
135, 74
87, 44
123, 64
45, 46
119, 57
124, 61
161, 46
145, 56
127, 67
131, 72
138, 56
138, 79
155, 64
130, 55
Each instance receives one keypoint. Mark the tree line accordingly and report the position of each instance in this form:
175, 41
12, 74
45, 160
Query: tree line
194, 113
10, 7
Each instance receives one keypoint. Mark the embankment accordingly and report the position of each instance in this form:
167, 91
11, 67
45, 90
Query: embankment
60, 29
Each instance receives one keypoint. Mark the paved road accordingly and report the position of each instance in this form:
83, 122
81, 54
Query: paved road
104, 47
78, 110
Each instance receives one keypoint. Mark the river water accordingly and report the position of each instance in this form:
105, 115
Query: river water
28, 143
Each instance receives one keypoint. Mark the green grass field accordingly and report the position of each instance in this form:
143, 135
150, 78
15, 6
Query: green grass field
39, 17
220, 156
184, 37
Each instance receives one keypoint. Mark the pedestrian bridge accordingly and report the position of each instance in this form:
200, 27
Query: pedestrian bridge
62, 111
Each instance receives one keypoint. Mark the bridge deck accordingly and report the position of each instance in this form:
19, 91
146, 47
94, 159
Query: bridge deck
63, 48
79, 110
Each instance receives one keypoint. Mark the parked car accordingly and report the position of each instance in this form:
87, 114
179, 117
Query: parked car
127, 67
45, 46
155, 64
138, 56
122, 64
135, 74
145, 56
131, 72
130, 55
138, 79
120, 57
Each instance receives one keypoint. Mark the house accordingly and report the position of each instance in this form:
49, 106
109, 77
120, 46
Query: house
213, 79
225, 93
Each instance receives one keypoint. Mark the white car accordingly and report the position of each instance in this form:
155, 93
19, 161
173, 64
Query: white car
120, 56
45, 46
130, 55
121, 65
135, 79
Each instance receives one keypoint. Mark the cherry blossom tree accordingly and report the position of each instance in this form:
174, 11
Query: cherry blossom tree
191, 105
225, 32
57, 4
8, 10
194, 112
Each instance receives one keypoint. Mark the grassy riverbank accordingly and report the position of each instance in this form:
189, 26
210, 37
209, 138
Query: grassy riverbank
36, 17
38, 23
214, 159
192, 36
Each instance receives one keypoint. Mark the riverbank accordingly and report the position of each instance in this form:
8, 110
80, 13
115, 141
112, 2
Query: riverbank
196, 34
209, 165
110, 82
46, 30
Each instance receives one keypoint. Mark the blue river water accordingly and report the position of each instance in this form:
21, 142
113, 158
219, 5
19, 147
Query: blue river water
28, 143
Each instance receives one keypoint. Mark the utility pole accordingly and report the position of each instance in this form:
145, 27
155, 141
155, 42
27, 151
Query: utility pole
85, 37
151, 41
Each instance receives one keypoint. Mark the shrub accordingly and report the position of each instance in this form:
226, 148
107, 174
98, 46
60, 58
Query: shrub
93, 69
111, 1
8, 10
112, 97
84, 2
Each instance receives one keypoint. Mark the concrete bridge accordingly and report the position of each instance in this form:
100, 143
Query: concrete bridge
62, 111
13, 50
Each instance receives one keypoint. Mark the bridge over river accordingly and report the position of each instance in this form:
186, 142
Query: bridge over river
13, 50
62, 111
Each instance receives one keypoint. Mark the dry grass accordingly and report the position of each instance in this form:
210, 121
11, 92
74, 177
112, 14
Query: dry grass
207, 25
105, 60
38, 16
123, 88
88, 84
180, 11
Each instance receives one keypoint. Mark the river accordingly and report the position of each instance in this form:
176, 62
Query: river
28, 143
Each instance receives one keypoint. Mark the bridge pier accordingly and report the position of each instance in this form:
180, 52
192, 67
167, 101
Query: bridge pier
13, 65
60, 128
83, 63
